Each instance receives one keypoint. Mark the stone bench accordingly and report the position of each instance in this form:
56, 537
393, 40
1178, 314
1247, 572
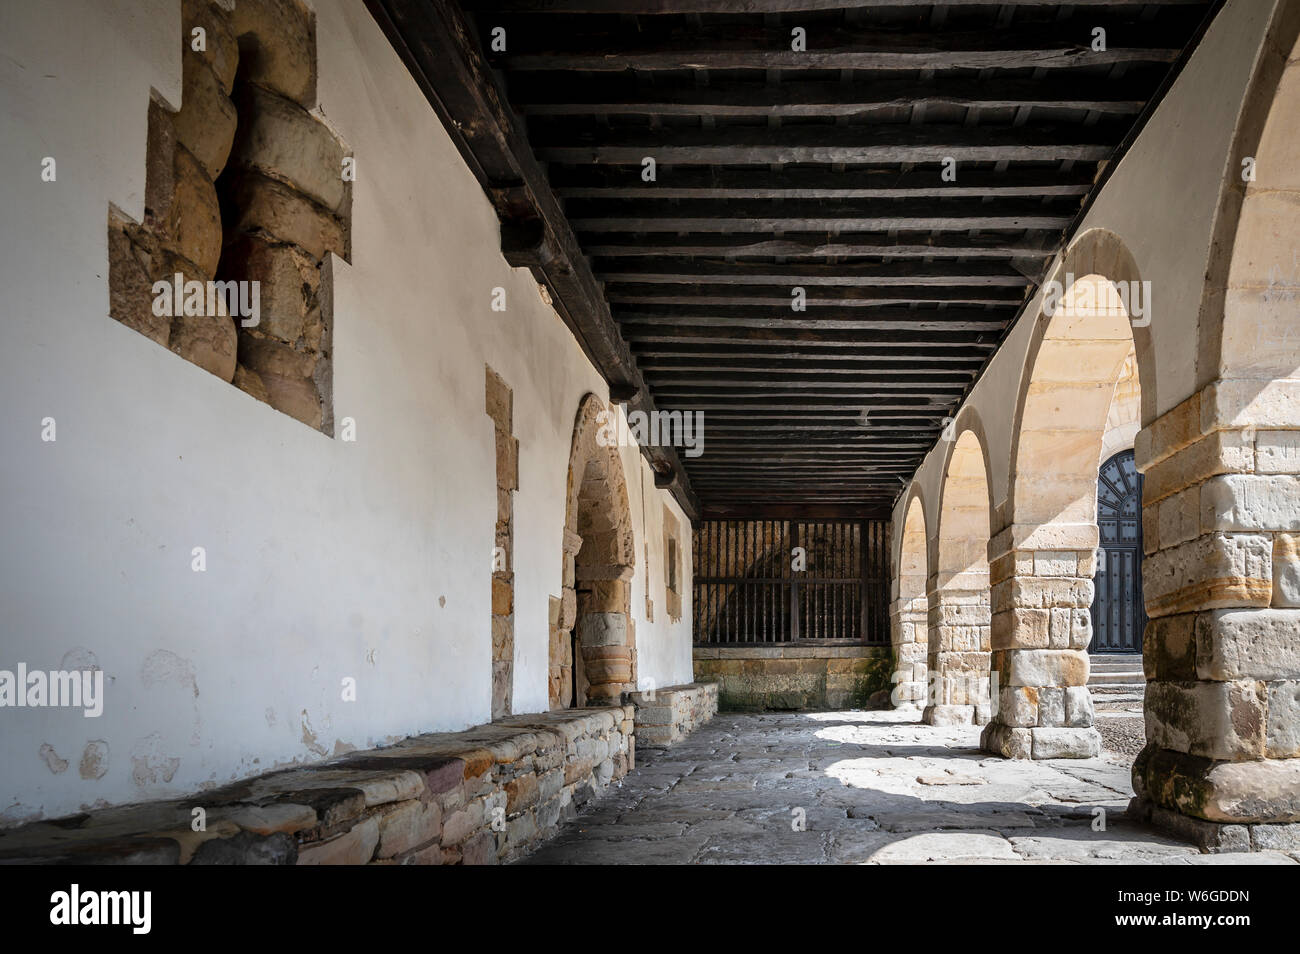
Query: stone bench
486, 795
664, 716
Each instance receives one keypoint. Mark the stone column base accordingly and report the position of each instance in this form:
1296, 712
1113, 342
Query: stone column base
1216, 837
1258, 792
1040, 742
907, 695
956, 715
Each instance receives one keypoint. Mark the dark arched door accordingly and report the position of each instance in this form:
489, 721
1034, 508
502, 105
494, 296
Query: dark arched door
1118, 615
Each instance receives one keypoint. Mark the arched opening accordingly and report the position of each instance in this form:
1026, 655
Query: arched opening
958, 641
1086, 349
1221, 760
909, 622
1089, 338
593, 648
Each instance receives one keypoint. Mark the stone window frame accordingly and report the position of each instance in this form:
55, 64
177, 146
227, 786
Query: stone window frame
244, 183
672, 566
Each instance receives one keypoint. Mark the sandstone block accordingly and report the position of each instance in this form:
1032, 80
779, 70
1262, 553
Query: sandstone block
507, 450
209, 342
221, 53
1282, 733
499, 401
1277, 452
1212, 571
459, 825
354, 847
521, 793
1065, 743
192, 228
277, 40
1046, 667
285, 142
503, 598
206, 121
1259, 791
1078, 707
1169, 648
1218, 720
1248, 644
289, 376
1250, 502
1018, 706
1051, 705
130, 295
250, 382
408, 826
1011, 743
288, 288
1286, 570
271, 207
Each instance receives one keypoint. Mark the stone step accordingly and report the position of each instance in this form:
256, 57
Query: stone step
1117, 678
1114, 693
1117, 660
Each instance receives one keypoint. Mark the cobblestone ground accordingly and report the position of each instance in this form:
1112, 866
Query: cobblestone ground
873, 788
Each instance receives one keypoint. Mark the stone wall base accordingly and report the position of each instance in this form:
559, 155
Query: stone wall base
487, 795
1041, 742
955, 715
1216, 837
795, 677
665, 716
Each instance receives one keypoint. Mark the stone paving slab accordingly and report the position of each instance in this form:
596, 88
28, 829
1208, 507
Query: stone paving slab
864, 788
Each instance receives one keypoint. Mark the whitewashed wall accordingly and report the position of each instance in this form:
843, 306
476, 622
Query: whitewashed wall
325, 559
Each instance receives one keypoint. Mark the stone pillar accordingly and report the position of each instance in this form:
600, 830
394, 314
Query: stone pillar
907, 633
605, 635
565, 614
500, 407
1221, 513
958, 657
1040, 629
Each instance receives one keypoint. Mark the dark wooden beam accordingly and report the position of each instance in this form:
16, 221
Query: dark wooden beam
702, 358
817, 298
674, 271
886, 143
807, 510
830, 338
624, 182
781, 319
438, 46
652, 7
1057, 45
653, 367
1033, 246
561, 95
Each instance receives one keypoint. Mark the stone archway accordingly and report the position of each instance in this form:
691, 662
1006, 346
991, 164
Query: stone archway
1222, 650
908, 629
593, 646
1042, 559
958, 646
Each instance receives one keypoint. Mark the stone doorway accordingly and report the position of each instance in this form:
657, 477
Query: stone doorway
1118, 616
593, 642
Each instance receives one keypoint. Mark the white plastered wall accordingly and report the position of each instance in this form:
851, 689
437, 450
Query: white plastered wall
325, 559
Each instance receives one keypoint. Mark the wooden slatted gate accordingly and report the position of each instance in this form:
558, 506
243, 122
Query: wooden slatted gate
749, 586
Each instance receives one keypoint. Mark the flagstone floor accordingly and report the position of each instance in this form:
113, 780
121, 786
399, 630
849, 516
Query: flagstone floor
863, 787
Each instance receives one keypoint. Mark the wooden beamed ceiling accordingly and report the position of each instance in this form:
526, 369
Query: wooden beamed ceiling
778, 168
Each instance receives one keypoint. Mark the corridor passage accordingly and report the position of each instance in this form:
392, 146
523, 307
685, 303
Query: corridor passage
871, 787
